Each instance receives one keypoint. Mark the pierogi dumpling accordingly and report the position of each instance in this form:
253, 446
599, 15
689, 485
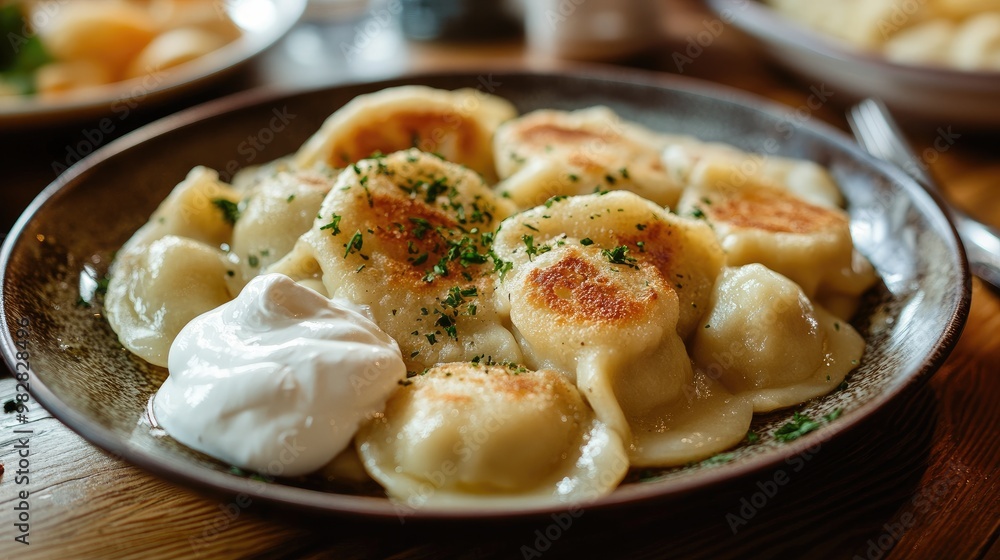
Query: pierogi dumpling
810, 244
491, 435
409, 235
612, 321
158, 288
173, 269
550, 153
696, 164
613, 328
683, 251
458, 125
276, 212
763, 338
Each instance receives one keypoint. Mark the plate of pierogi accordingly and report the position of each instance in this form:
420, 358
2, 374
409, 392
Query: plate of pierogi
934, 60
479, 295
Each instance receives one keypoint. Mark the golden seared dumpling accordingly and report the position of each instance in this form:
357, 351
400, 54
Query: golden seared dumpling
603, 288
549, 153
490, 435
763, 338
695, 164
173, 268
274, 215
624, 229
458, 125
611, 324
810, 244
158, 288
409, 235
570, 298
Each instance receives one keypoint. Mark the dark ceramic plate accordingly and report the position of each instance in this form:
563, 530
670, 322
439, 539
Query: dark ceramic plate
82, 375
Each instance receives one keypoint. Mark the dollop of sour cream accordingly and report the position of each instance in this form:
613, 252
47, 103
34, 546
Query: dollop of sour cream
278, 380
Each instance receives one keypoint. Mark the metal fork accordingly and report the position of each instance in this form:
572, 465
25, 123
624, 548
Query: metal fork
877, 132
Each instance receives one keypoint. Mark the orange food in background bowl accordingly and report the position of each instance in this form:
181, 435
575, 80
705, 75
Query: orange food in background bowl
90, 43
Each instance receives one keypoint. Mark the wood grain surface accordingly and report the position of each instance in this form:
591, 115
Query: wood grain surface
917, 481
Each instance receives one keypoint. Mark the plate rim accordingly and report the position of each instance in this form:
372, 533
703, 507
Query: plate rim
380, 508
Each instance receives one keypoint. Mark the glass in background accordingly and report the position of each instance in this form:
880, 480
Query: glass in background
460, 20
599, 30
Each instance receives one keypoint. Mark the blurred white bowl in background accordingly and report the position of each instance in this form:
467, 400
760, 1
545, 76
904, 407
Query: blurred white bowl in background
941, 95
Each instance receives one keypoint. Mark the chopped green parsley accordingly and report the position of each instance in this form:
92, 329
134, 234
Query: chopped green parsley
334, 224
230, 210
354, 244
619, 255
799, 426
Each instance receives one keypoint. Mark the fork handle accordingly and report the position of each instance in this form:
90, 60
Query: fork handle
877, 132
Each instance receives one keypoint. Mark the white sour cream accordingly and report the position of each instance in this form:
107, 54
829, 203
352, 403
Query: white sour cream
277, 380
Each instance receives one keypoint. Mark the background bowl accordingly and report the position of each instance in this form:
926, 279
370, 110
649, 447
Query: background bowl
942, 95
80, 373
261, 24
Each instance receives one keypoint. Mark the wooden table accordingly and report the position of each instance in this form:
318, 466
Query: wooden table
920, 481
